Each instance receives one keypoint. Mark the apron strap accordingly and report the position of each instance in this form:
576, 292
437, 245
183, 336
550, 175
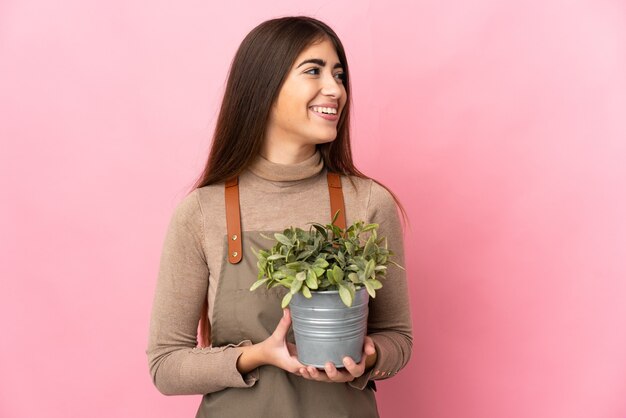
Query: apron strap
336, 200
233, 215
233, 219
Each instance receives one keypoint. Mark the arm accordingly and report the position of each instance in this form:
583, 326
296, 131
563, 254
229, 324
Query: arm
389, 320
177, 367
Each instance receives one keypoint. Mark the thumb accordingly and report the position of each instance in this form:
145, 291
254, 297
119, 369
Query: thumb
283, 325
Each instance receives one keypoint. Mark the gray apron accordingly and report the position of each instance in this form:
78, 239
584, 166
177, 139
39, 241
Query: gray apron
240, 314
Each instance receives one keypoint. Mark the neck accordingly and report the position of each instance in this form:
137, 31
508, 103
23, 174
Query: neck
274, 170
286, 153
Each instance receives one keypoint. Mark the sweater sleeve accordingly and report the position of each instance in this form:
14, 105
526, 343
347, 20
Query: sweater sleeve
176, 365
389, 320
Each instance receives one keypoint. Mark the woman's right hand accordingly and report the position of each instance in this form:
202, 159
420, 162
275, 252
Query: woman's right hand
278, 351
274, 350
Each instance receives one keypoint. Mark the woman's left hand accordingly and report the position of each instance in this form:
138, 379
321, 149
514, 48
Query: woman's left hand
332, 374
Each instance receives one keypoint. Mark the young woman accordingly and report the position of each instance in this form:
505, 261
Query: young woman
283, 129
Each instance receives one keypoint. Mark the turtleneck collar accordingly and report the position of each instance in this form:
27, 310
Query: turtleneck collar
271, 171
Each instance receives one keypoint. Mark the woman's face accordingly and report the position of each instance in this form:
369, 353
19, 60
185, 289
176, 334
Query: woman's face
310, 88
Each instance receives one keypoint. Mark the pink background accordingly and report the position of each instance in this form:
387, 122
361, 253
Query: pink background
500, 124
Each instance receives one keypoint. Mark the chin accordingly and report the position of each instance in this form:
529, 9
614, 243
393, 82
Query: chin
325, 140
328, 138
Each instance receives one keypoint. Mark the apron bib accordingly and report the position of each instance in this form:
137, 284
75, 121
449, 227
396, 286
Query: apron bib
240, 314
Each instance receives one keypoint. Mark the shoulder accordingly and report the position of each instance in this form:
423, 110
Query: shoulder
187, 211
377, 198
377, 194
381, 200
210, 198
360, 186
200, 203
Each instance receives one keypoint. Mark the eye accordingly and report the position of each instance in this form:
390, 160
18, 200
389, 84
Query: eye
340, 76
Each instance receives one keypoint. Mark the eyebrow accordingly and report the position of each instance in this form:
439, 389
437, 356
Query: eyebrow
318, 62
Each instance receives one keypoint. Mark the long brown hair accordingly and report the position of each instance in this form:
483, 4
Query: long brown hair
256, 76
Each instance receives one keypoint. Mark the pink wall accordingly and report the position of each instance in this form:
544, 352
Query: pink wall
501, 126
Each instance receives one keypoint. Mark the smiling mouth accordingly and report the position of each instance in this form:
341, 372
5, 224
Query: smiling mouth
325, 110
327, 116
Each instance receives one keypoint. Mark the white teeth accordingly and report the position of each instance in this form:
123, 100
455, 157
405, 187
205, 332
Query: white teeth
328, 110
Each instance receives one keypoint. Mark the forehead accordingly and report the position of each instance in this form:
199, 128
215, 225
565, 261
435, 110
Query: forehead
324, 50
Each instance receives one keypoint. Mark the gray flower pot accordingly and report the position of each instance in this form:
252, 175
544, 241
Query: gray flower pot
327, 330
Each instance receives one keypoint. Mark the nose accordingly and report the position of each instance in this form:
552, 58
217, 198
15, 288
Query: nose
332, 87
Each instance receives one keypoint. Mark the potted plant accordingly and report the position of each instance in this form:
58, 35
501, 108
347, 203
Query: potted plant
329, 273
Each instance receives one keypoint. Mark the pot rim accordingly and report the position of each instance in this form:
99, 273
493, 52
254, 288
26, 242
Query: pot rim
333, 291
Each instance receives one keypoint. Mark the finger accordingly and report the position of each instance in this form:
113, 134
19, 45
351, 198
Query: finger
332, 373
315, 374
304, 373
355, 369
370, 348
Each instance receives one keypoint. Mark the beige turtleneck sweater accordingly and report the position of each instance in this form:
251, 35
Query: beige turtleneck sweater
192, 258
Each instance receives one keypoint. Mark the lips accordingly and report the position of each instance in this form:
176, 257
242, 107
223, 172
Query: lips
326, 116
333, 105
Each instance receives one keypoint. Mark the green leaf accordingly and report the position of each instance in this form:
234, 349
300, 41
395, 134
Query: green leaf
354, 278
258, 283
351, 289
375, 283
275, 257
306, 292
283, 239
345, 295
303, 255
286, 300
370, 246
311, 279
279, 275
370, 227
320, 262
370, 289
296, 265
321, 230
266, 237
369, 268
360, 262
295, 286
301, 276
350, 247
393, 262
331, 278
318, 271
337, 273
